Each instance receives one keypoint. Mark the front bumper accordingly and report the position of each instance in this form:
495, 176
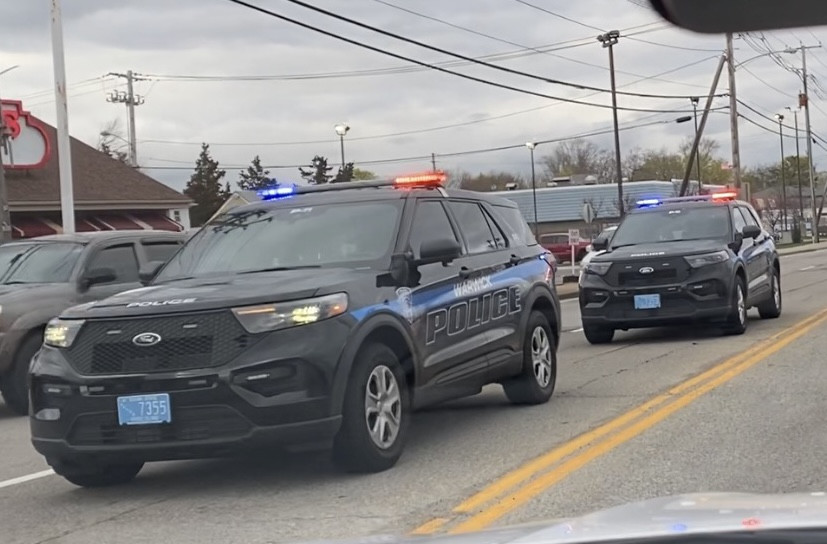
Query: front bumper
704, 296
215, 411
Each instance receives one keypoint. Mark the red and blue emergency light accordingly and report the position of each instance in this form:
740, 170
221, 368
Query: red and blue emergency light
715, 197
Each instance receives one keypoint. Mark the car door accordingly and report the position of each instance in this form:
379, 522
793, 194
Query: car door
450, 348
747, 250
121, 258
759, 257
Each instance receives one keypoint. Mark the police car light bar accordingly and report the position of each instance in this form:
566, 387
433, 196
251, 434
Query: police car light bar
276, 192
650, 202
430, 179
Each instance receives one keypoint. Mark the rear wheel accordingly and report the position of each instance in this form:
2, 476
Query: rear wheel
737, 320
376, 413
97, 475
771, 308
14, 384
598, 335
535, 383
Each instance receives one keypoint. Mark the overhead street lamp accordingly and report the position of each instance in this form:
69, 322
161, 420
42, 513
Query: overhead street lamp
342, 129
609, 40
531, 146
695, 100
780, 118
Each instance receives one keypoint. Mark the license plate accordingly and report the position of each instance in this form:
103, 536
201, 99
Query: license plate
647, 302
144, 409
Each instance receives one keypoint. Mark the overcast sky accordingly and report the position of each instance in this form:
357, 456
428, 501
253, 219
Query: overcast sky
277, 117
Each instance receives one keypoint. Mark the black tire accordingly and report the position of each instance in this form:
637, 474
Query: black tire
737, 320
771, 308
14, 384
535, 383
354, 448
598, 335
97, 475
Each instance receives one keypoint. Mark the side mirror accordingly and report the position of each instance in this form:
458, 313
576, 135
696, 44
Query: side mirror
147, 273
752, 231
441, 250
97, 276
600, 244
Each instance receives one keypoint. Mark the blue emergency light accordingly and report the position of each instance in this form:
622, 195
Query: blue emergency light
280, 191
715, 197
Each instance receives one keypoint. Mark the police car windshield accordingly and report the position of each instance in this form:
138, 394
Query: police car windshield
50, 262
672, 225
357, 234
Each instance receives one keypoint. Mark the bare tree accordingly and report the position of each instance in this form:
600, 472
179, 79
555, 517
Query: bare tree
112, 142
628, 204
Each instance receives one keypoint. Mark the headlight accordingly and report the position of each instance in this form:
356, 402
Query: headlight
697, 261
60, 333
598, 268
281, 315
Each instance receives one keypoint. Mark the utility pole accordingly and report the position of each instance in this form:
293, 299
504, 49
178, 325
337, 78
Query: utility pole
64, 146
798, 166
609, 40
806, 100
5, 215
695, 100
531, 146
433, 161
131, 100
783, 174
733, 113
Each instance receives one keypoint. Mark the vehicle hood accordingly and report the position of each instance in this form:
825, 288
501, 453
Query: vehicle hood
694, 513
221, 292
662, 249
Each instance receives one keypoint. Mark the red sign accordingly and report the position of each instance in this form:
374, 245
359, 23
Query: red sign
27, 145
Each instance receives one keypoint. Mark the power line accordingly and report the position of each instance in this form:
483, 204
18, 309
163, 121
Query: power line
440, 69
511, 71
776, 89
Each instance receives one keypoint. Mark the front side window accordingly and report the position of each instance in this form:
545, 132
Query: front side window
356, 234
673, 225
430, 223
738, 221
51, 262
515, 221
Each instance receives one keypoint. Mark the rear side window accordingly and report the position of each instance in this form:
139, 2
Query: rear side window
474, 227
121, 259
160, 251
515, 224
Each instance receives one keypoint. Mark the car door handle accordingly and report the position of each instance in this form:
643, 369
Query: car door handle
464, 272
514, 260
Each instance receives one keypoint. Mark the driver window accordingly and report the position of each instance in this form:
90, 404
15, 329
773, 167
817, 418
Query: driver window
430, 222
121, 259
738, 222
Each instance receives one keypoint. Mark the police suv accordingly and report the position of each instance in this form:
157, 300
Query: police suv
687, 259
321, 316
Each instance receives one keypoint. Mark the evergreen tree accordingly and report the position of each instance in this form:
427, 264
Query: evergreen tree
317, 172
205, 188
255, 177
344, 174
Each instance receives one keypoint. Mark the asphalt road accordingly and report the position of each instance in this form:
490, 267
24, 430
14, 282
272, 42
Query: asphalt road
628, 421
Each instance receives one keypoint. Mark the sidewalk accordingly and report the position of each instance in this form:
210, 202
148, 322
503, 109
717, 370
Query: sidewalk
569, 290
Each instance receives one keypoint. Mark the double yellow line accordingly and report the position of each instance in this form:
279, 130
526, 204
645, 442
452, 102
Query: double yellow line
526, 482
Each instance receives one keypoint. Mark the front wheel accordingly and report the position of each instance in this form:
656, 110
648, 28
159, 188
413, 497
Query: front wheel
598, 335
535, 383
737, 321
105, 475
376, 413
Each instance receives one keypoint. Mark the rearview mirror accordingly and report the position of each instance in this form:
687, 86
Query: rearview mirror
97, 276
751, 231
147, 273
441, 250
717, 17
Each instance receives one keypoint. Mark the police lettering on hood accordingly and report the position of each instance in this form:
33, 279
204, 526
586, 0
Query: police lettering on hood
465, 315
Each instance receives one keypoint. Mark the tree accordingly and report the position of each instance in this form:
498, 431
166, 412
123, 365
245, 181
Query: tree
490, 181
344, 174
205, 188
112, 142
317, 172
363, 175
578, 157
255, 177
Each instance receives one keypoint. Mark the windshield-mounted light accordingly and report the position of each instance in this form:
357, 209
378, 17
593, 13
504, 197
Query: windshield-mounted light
61, 333
697, 261
282, 315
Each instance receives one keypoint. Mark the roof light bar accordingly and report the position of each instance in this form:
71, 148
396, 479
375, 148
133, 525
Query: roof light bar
279, 191
725, 196
430, 179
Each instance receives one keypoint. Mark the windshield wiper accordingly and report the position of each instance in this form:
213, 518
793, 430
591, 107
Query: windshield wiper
281, 268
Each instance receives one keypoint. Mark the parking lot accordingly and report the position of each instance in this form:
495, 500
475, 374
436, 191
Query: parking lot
752, 422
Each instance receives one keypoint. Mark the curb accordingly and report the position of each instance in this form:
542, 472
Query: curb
796, 250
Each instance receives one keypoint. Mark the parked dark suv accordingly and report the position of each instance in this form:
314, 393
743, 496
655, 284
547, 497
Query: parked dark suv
321, 316
41, 277
682, 260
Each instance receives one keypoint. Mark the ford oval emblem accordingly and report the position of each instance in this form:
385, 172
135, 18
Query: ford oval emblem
646, 270
146, 339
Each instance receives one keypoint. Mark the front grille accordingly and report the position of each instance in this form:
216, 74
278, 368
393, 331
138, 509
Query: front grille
188, 423
200, 340
657, 272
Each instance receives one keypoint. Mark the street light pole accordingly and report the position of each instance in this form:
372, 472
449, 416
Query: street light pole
798, 166
695, 100
609, 40
342, 129
531, 146
783, 175
64, 147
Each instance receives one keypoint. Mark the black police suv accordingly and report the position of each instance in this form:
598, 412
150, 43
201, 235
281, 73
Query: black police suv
321, 316
681, 260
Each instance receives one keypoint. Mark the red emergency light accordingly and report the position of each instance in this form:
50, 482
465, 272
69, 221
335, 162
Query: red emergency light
429, 179
724, 196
